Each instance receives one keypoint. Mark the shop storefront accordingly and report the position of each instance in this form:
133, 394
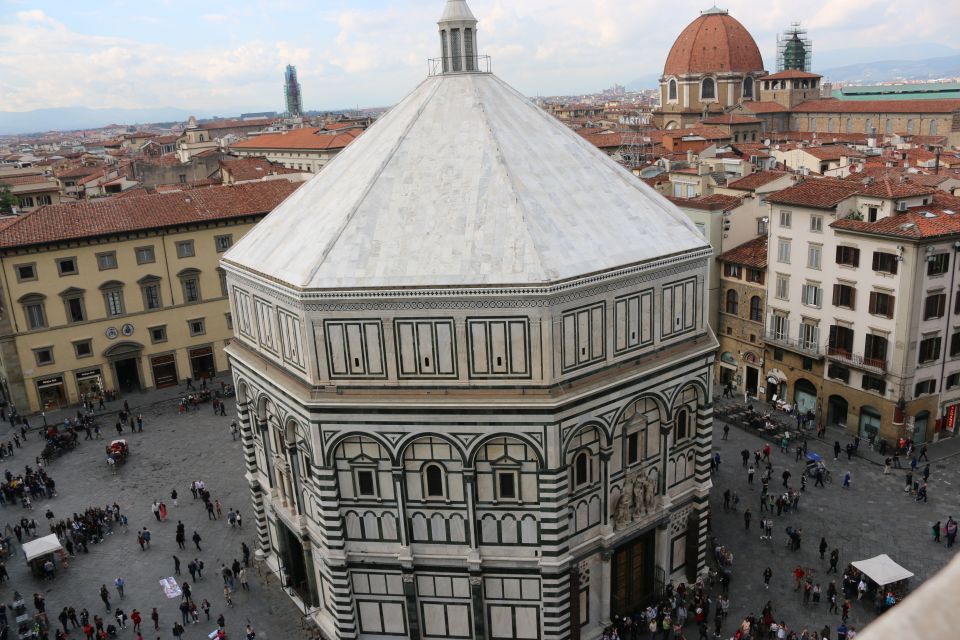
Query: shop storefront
776, 385
164, 370
948, 423
52, 393
202, 363
90, 383
728, 369
805, 395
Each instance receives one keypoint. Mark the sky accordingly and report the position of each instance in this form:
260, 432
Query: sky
230, 55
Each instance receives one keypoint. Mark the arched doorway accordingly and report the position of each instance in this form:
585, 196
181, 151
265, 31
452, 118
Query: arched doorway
869, 422
776, 385
837, 408
805, 395
728, 369
751, 369
124, 358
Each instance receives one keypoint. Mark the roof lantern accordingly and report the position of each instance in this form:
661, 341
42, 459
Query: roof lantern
458, 38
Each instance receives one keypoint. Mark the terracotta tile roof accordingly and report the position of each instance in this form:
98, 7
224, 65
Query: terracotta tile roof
78, 172
707, 133
817, 193
713, 42
731, 119
752, 253
713, 202
163, 139
244, 169
309, 138
888, 187
940, 218
756, 180
832, 152
765, 107
15, 181
792, 74
927, 180
602, 140
833, 105
106, 216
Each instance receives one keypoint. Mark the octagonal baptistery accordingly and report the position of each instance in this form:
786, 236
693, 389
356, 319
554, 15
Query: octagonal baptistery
472, 373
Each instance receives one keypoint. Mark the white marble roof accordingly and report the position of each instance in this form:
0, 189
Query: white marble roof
457, 10
465, 182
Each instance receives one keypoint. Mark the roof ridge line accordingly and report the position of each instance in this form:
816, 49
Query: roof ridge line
347, 219
501, 162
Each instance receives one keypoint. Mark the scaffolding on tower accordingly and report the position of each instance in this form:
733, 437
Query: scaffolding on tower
794, 49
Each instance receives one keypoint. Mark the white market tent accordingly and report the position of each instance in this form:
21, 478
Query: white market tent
41, 546
882, 570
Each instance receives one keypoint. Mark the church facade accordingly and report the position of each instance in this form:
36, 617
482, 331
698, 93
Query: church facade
474, 392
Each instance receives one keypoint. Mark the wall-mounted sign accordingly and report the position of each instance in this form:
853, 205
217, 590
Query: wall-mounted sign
112, 333
127, 329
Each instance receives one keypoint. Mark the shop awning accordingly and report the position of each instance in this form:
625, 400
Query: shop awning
882, 570
41, 546
775, 376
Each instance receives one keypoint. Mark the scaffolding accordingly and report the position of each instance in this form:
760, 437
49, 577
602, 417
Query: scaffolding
794, 49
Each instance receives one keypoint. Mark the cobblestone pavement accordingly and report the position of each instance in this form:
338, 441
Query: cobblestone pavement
873, 516
172, 451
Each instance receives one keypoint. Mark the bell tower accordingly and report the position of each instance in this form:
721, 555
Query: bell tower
458, 38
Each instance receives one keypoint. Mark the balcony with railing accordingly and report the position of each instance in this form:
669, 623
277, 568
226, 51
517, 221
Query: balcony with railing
875, 365
810, 348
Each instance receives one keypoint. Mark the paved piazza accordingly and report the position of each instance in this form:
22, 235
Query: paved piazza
171, 451
873, 516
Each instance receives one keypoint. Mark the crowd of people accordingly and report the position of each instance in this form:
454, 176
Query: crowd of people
95, 523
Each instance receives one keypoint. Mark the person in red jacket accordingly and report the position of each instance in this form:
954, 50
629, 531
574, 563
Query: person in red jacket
88, 630
136, 619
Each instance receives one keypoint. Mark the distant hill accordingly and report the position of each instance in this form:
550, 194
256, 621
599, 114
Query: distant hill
70, 118
890, 70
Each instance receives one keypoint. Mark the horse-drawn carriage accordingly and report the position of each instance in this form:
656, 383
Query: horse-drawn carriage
117, 452
58, 443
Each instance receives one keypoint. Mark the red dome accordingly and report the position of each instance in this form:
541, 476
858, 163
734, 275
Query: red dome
713, 43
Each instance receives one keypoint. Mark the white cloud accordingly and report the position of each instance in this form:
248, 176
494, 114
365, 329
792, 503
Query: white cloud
373, 56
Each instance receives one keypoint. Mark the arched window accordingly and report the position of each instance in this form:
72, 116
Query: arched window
581, 469
933, 127
680, 425
849, 124
909, 125
756, 309
748, 87
708, 89
433, 476
672, 89
732, 302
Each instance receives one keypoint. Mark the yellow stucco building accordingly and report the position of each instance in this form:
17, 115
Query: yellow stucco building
121, 294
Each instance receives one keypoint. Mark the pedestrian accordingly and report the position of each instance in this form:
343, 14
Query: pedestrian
173, 497
177, 630
746, 519
196, 540
221, 623
219, 509
726, 431
767, 574
239, 520
105, 596
242, 574
205, 605
834, 559
227, 596
936, 531
156, 509
798, 574
176, 565
745, 455
926, 472
119, 584
64, 618
836, 450
846, 480
155, 617
923, 453
251, 634
823, 547
786, 478
245, 550
121, 618
136, 619
750, 472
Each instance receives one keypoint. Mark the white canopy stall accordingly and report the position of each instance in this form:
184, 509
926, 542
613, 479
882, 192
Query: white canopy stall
41, 547
882, 570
